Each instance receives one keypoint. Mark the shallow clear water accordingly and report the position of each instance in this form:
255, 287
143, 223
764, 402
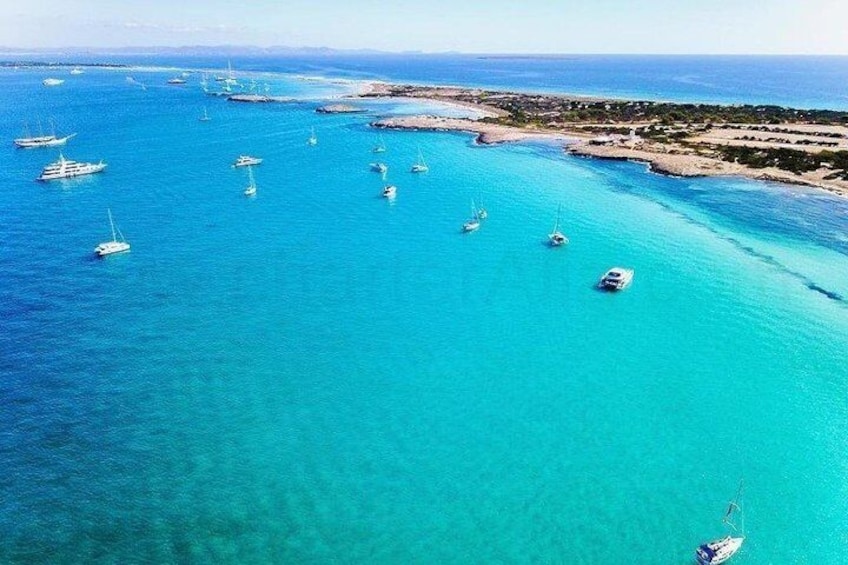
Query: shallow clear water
319, 375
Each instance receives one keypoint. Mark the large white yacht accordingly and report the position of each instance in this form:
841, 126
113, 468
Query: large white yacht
77, 71
379, 167
176, 81
114, 246
389, 191
247, 161
52, 81
616, 278
65, 168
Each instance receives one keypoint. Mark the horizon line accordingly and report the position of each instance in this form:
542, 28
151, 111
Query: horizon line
224, 48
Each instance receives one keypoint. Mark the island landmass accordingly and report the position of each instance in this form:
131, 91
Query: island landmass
764, 142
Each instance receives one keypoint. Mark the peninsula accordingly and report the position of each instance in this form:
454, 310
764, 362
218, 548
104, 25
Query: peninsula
764, 142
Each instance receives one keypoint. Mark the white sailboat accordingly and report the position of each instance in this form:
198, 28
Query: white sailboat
720, 550
313, 139
380, 147
556, 237
114, 246
474, 222
482, 213
420, 165
205, 117
28, 141
251, 188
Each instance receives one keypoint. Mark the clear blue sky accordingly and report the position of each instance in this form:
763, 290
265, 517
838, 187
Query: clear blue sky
494, 26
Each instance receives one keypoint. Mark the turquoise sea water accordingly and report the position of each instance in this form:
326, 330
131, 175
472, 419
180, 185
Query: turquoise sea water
318, 375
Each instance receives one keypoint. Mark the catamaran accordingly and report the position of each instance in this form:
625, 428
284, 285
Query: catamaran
380, 147
473, 223
205, 117
420, 166
64, 168
29, 141
313, 139
556, 237
247, 161
114, 246
719, 551
616, 278
251, 188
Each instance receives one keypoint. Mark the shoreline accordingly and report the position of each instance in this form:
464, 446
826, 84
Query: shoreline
668, 158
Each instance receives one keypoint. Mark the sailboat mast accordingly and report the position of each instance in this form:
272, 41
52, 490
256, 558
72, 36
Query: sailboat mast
111, 224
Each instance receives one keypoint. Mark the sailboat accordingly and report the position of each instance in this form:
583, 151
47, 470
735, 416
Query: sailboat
380, 147
114, 246
251, 188
28, 142
721, 550
313, 139
481, 212
420, 166
556, 237
474, 222
205, 117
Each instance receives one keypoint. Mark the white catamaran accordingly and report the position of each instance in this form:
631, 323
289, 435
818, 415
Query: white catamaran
720, 550
114, 246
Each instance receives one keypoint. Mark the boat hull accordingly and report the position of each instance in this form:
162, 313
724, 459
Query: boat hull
71, 174
719, 551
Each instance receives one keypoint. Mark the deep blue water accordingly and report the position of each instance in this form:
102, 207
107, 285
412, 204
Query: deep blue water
796, 81
317, 375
